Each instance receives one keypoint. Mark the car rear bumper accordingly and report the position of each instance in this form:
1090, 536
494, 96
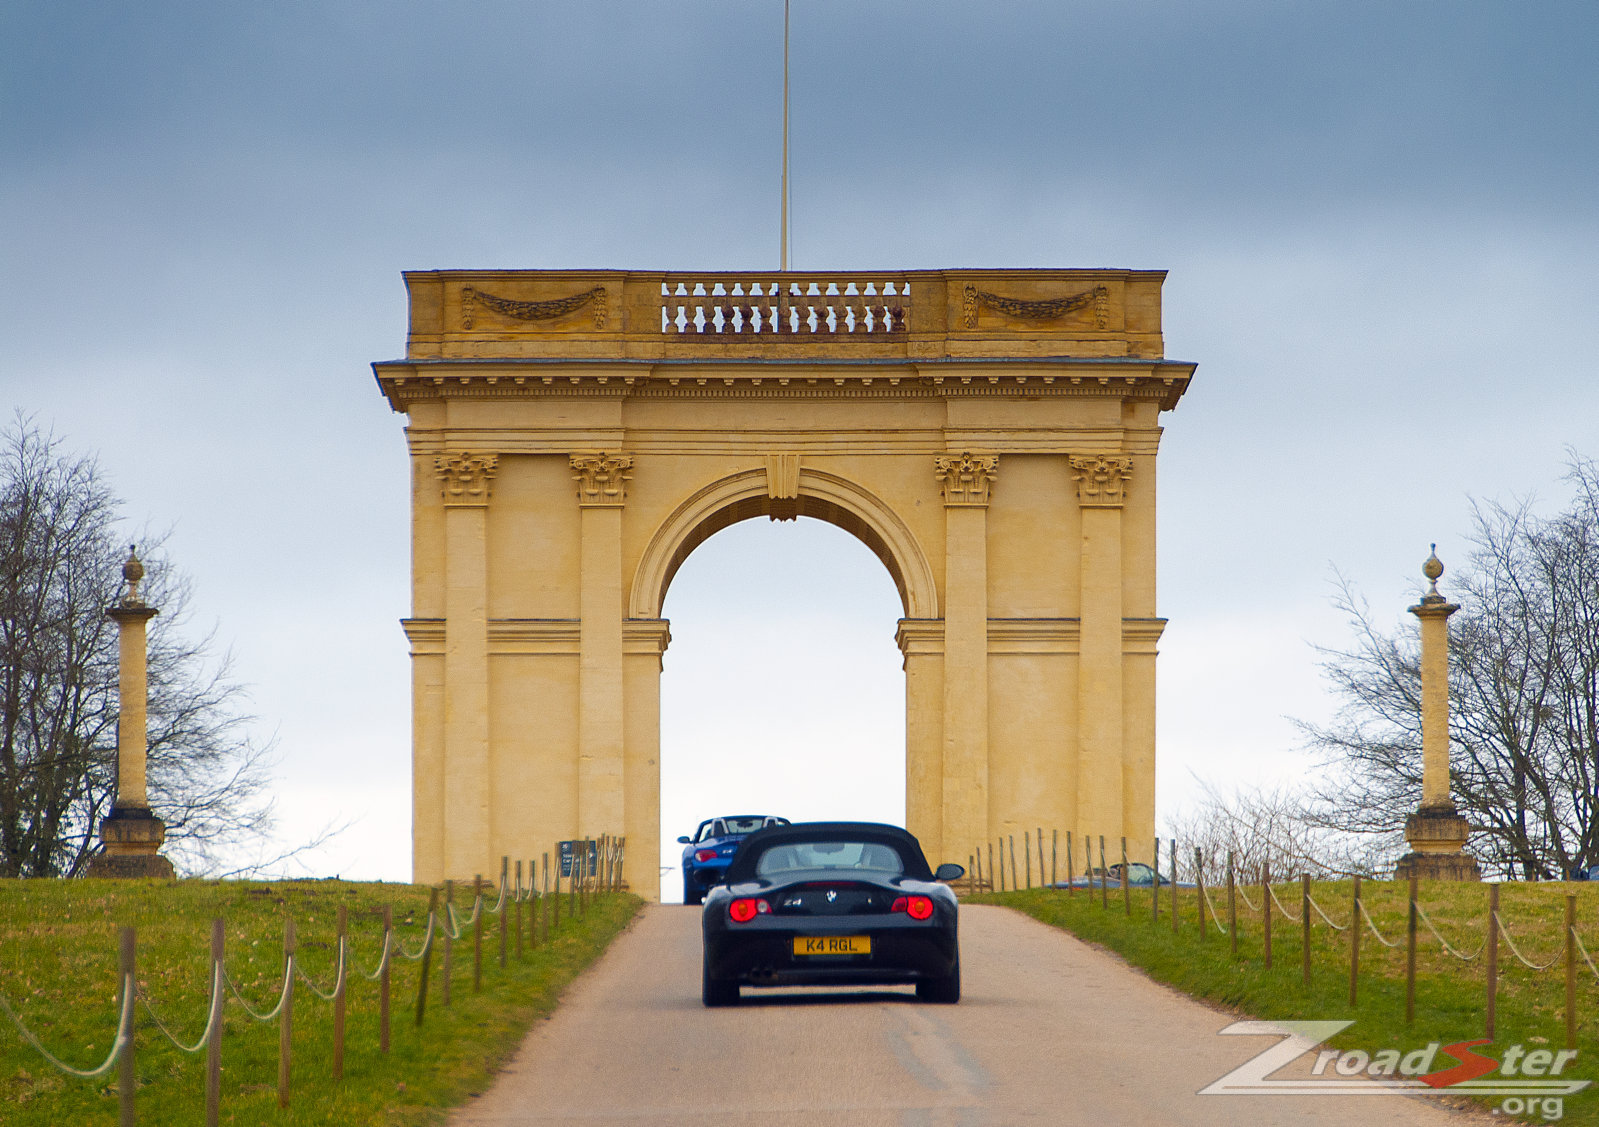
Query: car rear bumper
766, 957
706, 876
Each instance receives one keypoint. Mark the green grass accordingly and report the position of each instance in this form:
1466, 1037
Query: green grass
1450, 994
58, 968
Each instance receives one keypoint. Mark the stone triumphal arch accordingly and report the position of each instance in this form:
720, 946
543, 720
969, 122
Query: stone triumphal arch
991, 435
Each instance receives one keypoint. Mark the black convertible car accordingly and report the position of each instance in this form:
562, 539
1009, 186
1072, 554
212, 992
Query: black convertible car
831, 904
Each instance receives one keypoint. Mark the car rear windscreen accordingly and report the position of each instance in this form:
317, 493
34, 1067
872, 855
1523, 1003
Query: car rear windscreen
743, 825
853, 856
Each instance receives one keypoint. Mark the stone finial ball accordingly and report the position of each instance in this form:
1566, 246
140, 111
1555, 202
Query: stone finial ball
133, 570
1433, 569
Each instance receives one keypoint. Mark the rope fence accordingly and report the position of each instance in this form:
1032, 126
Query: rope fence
1093, 877
588, 868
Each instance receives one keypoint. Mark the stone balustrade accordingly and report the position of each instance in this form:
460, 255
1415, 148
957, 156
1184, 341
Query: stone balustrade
874, 315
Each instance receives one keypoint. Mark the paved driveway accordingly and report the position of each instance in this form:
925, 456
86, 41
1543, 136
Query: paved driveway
1049, 1031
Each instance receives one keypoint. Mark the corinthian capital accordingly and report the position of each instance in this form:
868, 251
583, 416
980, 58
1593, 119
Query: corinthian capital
465, 477
1101, 481
601, 478
966, 478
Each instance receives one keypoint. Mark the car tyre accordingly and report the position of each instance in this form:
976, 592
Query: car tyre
944, 991
692, 895
716, 991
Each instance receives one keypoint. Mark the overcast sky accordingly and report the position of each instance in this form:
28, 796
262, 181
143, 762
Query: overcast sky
1379, 221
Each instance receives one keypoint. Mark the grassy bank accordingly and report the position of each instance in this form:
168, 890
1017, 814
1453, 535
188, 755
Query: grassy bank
58, 968
1450, 992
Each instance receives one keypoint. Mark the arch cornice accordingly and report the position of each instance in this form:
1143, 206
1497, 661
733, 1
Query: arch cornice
822, 495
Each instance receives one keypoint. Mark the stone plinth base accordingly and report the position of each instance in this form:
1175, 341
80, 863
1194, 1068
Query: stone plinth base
131, 842
1437, 866
1437, 836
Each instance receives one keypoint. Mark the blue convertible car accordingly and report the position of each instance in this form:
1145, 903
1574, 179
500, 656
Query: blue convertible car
708, 852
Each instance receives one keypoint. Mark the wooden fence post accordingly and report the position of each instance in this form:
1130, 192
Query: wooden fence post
1265, 907
1027, 846
1015, 878
286, 1017
1304, 921
1199, 885
1154, 900
555, 906
1493, 956
1001, 841
383, 978
1104, 876
427, 957
1410, 956
1232, 903
213, 1047
1571, 971
1127, 896
1071, 889
447, 966
1054, 856
544, 902
1354, 945
477, 933
518, 899
993, 885
127, 1080
505, 865
339, 994
1174, 918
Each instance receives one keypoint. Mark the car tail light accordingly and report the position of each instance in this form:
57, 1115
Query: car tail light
746, 908
703, 855
916, 907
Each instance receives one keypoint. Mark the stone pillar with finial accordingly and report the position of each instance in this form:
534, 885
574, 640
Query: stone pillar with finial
130, 834
1436, 831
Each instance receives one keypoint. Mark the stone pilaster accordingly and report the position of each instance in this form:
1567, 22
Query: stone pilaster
921, 642
965, 480
1101, 489
601, 494
466, 481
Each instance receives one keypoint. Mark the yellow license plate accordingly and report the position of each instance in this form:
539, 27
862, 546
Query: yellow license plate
833, 945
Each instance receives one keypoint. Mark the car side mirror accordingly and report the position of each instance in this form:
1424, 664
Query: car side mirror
684, 841
949, 871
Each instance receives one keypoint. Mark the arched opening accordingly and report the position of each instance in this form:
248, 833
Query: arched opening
782, 692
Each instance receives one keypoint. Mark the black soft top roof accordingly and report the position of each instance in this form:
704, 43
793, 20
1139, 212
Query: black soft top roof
901, 841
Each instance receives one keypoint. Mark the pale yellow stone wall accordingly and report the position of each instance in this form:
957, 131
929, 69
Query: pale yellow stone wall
991, 435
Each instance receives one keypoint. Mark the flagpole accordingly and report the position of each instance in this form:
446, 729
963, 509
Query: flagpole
783, 256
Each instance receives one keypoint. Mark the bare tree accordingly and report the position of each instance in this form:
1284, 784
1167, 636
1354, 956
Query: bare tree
60, 568
1524, 696
1269, 826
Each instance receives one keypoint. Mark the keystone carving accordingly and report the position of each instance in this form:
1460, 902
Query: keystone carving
1101, 481
532, 310
966, 478
601, 478
782, 485
465, 478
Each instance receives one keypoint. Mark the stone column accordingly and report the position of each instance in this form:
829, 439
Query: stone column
1436, 831
130, 834
466, 480
1101, 489
966, 479
601, 493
